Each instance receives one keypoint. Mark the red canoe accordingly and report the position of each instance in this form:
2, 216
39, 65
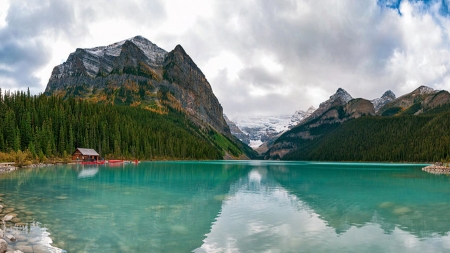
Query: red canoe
93, 162
115, 161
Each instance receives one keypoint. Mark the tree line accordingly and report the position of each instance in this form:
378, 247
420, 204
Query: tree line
49, 126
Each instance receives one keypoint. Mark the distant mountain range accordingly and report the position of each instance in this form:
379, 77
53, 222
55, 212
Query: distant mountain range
137, 73
256, 130
384, 129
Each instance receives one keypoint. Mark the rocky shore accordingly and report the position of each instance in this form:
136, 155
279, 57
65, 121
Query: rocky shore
7, 167
19, 233
437, 168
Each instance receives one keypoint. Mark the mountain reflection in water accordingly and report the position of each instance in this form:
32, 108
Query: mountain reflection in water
333, 208
231, 206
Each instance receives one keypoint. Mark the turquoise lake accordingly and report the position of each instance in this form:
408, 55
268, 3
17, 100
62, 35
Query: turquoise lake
232, 206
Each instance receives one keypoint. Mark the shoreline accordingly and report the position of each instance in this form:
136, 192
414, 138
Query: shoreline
9, 168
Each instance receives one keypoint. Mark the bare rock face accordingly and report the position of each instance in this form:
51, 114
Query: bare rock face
441, 98
197, 96
359, 107
136, 72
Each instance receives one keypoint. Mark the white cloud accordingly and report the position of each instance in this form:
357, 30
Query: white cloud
261, 57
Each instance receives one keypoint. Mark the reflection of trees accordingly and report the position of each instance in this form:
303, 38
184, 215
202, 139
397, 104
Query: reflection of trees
174, 197
355, 195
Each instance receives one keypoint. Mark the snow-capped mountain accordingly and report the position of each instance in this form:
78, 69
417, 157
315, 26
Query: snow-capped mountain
300, 115
387, 97
260, 129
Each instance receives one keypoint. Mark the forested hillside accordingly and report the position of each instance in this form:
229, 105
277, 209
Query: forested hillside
48, 126
422, 138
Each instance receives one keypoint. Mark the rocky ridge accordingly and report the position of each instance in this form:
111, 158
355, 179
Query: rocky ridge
415, 102
137, 72
340, 98
341, 107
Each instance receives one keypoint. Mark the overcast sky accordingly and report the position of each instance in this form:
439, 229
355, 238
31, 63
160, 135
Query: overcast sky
261, 57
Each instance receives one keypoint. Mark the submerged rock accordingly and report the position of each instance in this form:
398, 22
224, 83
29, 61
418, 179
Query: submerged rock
11, 238
8, 218
3, 246
24, 248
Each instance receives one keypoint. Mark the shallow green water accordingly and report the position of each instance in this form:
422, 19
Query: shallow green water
236, 207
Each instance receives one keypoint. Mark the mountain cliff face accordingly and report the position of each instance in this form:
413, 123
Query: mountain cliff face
136, 72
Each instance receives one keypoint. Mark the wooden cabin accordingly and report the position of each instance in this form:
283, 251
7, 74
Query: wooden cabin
85, 154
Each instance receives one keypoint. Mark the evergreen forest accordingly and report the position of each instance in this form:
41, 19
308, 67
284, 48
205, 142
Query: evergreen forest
46, 127
404, 138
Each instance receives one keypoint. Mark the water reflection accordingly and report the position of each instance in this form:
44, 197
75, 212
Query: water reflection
226, 206
88, 172
329, 208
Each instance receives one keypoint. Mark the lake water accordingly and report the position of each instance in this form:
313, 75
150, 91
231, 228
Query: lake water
250, 206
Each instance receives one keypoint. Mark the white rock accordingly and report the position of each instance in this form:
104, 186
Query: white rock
8, 218
11, 238
2, 234
3, 246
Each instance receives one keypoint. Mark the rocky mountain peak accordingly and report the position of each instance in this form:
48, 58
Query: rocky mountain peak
137, 72
310, 110
388, 94
387, 97
104, 60
423, 90
341, 94
340, 98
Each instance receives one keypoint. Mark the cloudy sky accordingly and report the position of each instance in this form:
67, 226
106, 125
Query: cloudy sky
262, 57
